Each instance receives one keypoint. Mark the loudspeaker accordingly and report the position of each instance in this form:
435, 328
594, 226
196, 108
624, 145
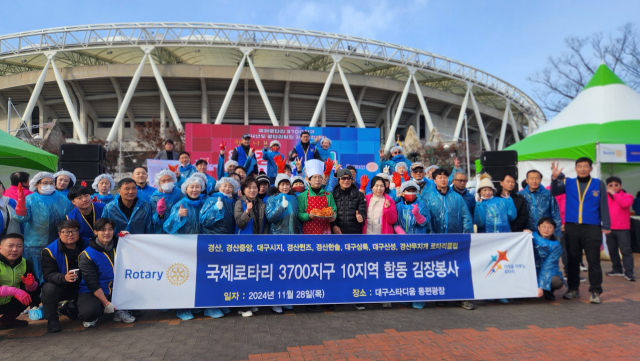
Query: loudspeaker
82, 153
497, 158
83, 170
497, 172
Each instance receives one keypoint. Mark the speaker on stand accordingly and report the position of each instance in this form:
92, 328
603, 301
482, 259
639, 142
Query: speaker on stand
499, 163
85, 161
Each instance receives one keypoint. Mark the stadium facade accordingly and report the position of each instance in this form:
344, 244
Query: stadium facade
97, 81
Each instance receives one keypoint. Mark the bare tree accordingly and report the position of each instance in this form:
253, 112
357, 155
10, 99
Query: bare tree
567, 74
149, 140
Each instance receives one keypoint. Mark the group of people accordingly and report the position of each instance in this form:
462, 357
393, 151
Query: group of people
58, 239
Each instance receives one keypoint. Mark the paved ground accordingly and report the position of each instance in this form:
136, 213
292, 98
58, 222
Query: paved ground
521, 329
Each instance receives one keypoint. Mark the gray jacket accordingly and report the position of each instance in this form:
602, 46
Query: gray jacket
163, 155
242, 218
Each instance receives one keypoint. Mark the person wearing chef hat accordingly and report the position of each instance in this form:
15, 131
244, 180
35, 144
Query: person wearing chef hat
315, 197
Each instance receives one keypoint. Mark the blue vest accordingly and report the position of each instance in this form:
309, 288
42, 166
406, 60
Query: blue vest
86, 231
584, 210
105, 271
59, 256
305, 156
242, 157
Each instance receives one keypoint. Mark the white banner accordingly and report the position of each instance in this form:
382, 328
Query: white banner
156, 165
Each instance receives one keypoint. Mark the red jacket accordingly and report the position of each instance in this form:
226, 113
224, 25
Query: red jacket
12, 192
389, 215
619, 210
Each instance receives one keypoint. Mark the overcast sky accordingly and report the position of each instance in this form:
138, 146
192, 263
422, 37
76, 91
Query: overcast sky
509, 39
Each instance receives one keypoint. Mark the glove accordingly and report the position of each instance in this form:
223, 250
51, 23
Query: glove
21, 206
399, 230
280, 162
95, 199
386, 169
219, 204
161, 207
328, 167
122, 233
20, 295
416, 213
396, 179
110, 308
285, 203
83, 183
223, 147
406, 177
29, 281
364, 181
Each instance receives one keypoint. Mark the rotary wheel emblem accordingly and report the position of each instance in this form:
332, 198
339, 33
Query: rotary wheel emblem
177, 274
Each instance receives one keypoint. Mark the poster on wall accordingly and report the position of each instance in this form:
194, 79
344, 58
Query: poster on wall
349, 146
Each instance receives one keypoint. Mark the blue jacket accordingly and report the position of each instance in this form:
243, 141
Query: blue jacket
541, 204
272, 168
169, 199
547, 253
86, 231
146, 192
469, 199
185, 172
104, 266
493, 215
103, 199
449, 213
141, 221
392, 163
189, 224
407, 221
43, 215
283, 220
215, 221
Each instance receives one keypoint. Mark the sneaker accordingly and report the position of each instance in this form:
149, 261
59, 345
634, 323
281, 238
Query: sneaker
386, 305
123, 316
418, 305
467, 305
549, 296
595, 298
359, 306
571, 294
15, 324
213, 312
90, 324
53, 326
276, 309
582, 279
614, 274
632, 279
245, 313
583, 268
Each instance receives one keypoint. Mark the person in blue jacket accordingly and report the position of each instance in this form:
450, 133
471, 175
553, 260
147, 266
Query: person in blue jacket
419, 175
85, 212
40, 212
186, 169
282, 208
244, 154
269, 155
184, 217
141, 177
298, 185
449, 213
64, 181
460, 186
103, 185
205, 180
324, 148
413, 214
216, 215
493, 214
165, 181
547, 252
130, 213
201, 166
397, 156
304, 151
540, 202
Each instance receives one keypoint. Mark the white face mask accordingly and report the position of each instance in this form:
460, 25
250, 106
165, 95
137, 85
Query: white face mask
167, 187
47, 189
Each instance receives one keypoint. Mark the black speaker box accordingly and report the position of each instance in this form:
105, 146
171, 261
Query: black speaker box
496, 158
497, 172
82, 153
83, 170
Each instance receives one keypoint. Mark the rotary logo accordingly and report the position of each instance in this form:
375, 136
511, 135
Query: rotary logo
177, 274
372, 167
618, 153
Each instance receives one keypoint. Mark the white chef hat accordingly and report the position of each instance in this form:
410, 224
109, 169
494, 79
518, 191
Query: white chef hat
314, 167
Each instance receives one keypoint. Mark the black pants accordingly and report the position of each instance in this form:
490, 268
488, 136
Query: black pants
587, 237
621, 240
556, 283
565, 258
11, 310
90, 307
51, 295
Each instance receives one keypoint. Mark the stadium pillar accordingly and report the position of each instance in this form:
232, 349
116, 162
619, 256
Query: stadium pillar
352, 101
463, 111
483, 132
423, 104
263, 93
204, 99
35, 95
396, 119
165, 93
232, 89
127, 99
246, 102
323, 96
503, 128
285, 104
67, 100
163, 118
514, 127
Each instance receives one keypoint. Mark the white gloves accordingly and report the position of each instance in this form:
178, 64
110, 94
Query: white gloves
285, 203
386, 170
109, 308
219, 204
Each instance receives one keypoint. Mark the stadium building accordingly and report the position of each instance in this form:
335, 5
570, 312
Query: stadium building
98, 81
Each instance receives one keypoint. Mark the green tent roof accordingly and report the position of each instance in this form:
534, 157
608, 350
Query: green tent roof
603, 76
15, 152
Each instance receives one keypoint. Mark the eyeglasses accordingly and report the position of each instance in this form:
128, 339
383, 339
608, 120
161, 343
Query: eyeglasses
460, 180
69, 233
418, 170
346, 178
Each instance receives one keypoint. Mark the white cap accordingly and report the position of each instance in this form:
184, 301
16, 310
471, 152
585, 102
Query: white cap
401, 164
37, 178
163, 173
397, 147
485, 182
228, 163
314, 167
201, 176
110, 179
273, 142
409, 184
191, 180
282, 177
229, 180
384, 176
68, 174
